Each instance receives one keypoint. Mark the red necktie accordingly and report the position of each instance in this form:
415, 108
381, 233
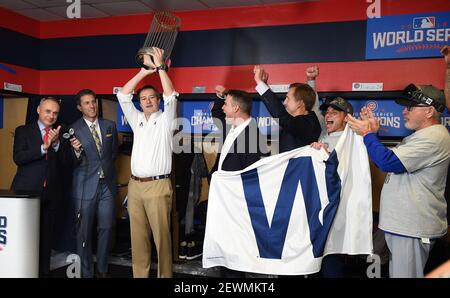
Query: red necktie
46, 135
46, 155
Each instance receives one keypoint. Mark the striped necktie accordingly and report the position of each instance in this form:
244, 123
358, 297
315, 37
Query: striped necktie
98, 143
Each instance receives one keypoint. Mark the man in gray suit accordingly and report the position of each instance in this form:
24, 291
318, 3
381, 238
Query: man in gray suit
94, 182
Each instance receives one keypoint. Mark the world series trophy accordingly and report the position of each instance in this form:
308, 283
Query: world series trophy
162, 34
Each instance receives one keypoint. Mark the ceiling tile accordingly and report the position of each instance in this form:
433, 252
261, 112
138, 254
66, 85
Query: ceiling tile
87, 11
51, 9
15, 4
39, 14
230, 3
123, 8
284, 1
102, 1
48, 3
175, 5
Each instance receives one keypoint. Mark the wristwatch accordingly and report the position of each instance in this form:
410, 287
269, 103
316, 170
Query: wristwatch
162, 67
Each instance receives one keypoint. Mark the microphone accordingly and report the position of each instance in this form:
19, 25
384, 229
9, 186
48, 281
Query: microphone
69, 134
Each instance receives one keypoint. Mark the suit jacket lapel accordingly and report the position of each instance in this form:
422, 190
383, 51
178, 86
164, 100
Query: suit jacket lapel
37, 135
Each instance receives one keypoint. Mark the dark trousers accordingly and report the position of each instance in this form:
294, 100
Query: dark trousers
333, 266
47, 222
102, 208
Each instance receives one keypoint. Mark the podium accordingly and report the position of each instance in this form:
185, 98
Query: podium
19, 234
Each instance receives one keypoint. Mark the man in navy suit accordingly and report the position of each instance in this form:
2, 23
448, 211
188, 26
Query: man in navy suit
40, 155
243, 143
94, 184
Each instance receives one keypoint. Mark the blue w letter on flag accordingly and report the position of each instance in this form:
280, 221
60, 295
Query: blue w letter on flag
270, 239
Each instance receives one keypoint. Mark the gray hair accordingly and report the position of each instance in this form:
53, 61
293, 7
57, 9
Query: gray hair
51, 98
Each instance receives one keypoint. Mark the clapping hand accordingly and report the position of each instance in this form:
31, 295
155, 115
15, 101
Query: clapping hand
367, 114
367, 123
53, 138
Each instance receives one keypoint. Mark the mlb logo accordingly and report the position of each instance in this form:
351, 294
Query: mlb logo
424, 22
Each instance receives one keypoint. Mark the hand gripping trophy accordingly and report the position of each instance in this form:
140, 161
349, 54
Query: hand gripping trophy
162, 34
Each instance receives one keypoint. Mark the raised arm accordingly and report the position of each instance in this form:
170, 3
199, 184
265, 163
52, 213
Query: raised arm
166, 82
270, 100
312, 72
125, 95
219, 101
217, 113
169, 94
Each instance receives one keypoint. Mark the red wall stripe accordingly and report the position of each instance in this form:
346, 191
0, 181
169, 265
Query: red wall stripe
27, 77
333, 76
265, 15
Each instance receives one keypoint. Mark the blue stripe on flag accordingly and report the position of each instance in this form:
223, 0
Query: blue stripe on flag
333, 182
270, 240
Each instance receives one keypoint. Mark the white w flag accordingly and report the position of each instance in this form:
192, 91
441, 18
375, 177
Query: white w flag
282, 214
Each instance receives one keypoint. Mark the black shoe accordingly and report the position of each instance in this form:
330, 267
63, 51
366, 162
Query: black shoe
194, 250
182, 250
103, 275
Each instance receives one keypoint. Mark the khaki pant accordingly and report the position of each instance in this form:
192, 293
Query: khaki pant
149, 207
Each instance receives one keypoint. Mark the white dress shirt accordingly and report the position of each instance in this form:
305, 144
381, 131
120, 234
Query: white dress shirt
229, 140
152, 141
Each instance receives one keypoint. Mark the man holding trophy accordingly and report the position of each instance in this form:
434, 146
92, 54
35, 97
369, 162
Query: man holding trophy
149, 188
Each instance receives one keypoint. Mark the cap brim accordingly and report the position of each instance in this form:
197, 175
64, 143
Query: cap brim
338, 108
325, 106
406, 102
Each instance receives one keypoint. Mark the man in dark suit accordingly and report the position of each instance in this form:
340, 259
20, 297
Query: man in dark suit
94, 184
40, 155
299, 123
243, 144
